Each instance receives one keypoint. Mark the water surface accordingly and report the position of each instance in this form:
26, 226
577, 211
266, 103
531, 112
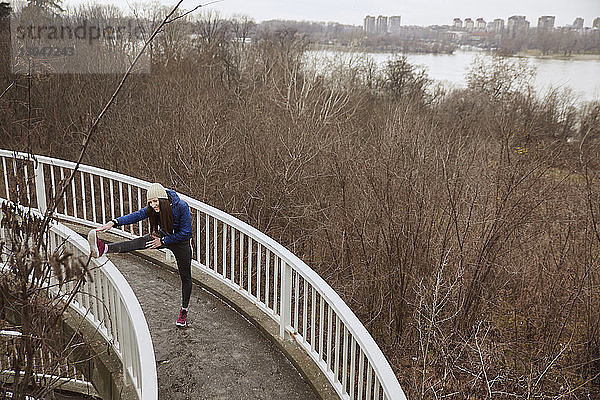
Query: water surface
581, 76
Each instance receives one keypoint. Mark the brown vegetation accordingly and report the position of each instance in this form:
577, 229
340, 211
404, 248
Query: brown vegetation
36, 344
559, 42
462, 227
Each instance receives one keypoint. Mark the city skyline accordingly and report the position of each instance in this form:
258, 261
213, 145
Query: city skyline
413, 12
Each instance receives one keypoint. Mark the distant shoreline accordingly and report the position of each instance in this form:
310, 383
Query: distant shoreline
366, 49
572, 57
523, 54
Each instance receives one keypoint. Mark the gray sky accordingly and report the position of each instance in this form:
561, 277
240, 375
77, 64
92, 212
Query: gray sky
413, 12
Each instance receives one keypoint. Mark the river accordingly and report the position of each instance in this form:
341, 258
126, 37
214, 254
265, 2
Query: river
580, 75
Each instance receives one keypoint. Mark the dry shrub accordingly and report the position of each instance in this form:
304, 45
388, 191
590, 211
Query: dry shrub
30, 304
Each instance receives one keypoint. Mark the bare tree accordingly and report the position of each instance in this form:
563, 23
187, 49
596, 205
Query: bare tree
29, 270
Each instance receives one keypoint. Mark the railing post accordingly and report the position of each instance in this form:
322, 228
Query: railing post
169, 256
40, 186
285, 302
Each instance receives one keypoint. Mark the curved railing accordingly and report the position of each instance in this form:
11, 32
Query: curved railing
68, 378
108, 303
256, 266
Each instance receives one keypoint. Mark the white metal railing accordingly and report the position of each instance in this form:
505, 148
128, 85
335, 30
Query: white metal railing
110, 306
57, 371
266, 273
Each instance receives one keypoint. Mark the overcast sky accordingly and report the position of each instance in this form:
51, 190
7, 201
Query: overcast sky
413, 12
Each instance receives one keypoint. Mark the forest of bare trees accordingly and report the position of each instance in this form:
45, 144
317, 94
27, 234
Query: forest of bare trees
559, 42
461, 226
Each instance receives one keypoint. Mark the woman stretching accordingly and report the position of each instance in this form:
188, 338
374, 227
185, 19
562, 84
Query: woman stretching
170, 227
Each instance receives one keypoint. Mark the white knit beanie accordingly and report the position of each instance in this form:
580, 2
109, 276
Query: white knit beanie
156, 190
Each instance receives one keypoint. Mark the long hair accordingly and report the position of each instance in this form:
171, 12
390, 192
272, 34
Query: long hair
166, 217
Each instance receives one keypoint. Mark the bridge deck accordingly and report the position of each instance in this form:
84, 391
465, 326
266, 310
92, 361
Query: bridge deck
220, 355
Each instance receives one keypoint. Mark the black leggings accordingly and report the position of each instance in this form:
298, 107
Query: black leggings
183, 256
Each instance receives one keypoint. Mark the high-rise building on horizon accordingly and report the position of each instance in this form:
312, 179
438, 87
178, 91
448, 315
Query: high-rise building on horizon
369, 24
480, 24
578, 23
381, 26
394, 24
546, 22
596, 23
517, 25
457, 23
469, 24
497, 25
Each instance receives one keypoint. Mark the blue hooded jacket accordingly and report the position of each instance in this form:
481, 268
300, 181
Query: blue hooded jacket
182, 220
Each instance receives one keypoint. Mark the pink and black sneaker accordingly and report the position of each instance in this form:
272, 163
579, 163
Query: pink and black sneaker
97, 247
182, 320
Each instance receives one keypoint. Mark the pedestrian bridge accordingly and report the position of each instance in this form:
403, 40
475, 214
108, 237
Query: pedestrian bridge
297, 317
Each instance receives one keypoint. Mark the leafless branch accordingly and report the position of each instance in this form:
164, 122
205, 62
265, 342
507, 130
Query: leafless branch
88, 136
192, 10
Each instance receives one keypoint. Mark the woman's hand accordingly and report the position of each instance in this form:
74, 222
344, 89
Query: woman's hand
154, 243
106, 226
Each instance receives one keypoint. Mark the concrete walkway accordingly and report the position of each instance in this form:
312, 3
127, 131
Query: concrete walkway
220, 355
